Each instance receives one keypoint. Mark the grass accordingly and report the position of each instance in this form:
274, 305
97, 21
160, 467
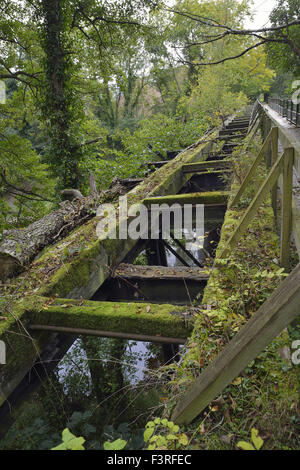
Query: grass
265, 395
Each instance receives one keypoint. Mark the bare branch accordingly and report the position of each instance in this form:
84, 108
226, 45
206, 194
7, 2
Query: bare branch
215, 24
20, 191
261, 34
121, 22
226, 58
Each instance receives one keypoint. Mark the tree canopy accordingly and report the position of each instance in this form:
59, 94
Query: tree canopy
101, 87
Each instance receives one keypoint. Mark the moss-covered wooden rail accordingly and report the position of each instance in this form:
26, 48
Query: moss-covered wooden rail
282, 307
205, 198
77, 266
203, 166
282, 164
139, 321
271, 318
160, 272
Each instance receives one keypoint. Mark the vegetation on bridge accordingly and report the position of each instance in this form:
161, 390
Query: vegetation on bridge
97, 90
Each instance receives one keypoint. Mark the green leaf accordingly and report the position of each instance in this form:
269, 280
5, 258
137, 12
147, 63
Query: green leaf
183, 439
118, 444
171, 437
70, 442
150, 424
148, 433
170, 424
161, 441
245, 445
256, 439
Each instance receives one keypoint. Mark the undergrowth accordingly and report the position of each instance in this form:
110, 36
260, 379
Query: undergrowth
265, 395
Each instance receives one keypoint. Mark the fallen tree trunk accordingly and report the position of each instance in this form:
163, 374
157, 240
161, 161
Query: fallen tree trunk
20, 246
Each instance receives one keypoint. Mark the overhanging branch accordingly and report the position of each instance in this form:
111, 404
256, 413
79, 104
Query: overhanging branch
265, 35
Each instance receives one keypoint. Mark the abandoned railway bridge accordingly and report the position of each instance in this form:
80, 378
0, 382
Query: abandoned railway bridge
98, 290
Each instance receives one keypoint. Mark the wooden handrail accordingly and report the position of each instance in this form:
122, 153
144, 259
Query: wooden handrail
271, 318
253, 167
268, 184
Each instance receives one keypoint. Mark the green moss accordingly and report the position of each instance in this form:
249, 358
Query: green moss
66, 271
210, 197
21, 348
237, 287
138, 318
51, 273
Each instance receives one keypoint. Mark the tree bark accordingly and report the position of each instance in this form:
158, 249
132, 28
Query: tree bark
62, 109
92, 182
19, 247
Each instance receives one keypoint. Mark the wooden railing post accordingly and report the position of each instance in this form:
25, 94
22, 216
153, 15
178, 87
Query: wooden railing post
254, 166
264, 190
286, 216
281, 308
274, 147
269, 149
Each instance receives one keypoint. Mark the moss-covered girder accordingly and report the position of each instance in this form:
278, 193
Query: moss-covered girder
206, 198
85, 273
75, 268
203, 166
148, 319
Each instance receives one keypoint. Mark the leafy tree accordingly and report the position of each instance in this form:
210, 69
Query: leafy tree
284, 32
190, 36
213, 96
26, 191
284, 55
62, 111
122, 91
46, 40
227, 87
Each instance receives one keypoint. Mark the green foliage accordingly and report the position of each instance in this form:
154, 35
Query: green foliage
167, 436
123, 433
163, 434
31, 431
283, 56
282, 85
127, 99
118, 444
226, 88
141, 260
26, 191
152, 141
185, 32
70, 442
257, 442
161, 134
